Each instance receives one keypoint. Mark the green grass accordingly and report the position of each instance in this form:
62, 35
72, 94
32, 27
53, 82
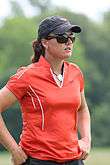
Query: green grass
96, 157
5, 159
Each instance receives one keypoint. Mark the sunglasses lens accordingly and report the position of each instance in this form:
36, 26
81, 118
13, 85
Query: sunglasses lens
64, 38
72, 39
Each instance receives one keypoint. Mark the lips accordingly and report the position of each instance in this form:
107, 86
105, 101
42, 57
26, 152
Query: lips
67, 48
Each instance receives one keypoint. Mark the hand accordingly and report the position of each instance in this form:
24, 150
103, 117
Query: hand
85, 146
18, 156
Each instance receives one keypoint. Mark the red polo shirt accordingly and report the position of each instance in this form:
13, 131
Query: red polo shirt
49, 111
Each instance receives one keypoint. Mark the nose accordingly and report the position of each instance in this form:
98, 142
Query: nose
69, 41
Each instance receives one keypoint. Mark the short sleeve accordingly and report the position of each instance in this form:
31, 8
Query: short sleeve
81, 79
17, 84
79, 75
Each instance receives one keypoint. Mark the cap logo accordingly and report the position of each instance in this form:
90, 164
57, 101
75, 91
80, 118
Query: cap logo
63, 19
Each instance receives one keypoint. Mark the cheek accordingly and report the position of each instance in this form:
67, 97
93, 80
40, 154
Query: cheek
59, 50
54, 48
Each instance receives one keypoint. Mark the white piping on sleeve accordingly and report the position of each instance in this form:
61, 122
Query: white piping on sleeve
40, 106
32, 100
22, 73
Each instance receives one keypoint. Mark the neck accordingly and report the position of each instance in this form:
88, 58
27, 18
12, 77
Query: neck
56, 64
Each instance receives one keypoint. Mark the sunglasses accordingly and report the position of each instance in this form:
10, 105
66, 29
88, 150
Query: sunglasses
62, 38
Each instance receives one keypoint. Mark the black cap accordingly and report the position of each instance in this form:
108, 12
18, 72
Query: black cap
56, 25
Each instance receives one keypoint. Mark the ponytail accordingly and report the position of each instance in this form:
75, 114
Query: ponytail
38, 50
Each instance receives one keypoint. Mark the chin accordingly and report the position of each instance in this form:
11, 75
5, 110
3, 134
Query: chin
67, 55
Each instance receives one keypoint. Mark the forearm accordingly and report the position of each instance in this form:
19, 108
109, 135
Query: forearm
84, 125
18, 155
5, 137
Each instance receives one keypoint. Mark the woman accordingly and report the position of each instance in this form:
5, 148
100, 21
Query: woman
53, 105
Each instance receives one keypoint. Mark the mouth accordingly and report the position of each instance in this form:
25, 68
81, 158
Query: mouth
67, 48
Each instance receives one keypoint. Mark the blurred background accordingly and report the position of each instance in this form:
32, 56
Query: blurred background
18, 24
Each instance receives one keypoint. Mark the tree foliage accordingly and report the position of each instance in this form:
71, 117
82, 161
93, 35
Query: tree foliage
16, 9
41, 5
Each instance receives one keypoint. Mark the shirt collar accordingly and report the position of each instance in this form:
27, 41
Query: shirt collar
43, 62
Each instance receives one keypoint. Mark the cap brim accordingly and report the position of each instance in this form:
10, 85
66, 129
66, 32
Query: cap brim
66, 27
76, 29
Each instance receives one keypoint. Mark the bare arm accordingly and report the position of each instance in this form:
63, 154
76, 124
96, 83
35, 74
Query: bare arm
84, 127
7, 98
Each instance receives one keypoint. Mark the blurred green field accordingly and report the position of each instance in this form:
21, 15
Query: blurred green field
97, 156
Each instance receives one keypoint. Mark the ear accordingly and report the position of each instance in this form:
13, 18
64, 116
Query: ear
44, 43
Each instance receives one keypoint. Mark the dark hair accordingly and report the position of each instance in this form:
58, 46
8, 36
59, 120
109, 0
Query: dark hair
38, 49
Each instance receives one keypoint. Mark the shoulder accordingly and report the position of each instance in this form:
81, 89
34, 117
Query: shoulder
22, 72
73, 67
25, 73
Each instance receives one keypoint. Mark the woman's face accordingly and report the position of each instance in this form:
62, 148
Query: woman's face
59, 50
